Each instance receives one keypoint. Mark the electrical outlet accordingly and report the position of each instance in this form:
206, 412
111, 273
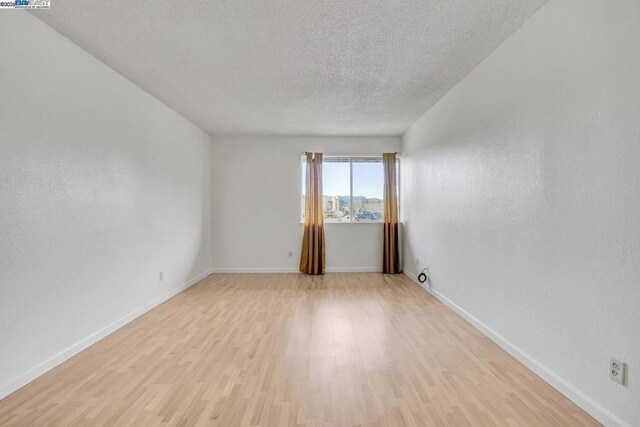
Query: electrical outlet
617, 370
161, 276
290, 254
417, 263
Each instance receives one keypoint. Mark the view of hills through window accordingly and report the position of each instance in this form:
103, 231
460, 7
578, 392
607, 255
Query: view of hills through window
352, 189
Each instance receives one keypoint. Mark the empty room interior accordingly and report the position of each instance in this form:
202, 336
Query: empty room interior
320, 213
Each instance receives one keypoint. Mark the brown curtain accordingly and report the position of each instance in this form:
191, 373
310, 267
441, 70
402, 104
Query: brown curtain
312, 258
391, 253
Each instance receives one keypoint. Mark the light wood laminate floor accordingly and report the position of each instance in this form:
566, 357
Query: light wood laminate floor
287, 349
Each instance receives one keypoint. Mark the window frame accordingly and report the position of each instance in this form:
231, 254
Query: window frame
351, 157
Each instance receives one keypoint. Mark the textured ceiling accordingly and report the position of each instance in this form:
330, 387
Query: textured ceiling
346, 67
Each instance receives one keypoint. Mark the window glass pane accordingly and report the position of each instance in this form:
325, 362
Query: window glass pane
365, 203
336, 189
368, 182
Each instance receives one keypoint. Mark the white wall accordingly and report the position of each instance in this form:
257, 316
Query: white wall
101, 187
256, 204
521, 190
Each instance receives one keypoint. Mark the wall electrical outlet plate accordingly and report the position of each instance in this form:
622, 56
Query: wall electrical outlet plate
161, 276
617, 370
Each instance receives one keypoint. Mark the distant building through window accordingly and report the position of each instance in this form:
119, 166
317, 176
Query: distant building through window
352, 189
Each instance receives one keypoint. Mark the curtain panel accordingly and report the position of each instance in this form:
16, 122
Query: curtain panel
391, 252
312, 258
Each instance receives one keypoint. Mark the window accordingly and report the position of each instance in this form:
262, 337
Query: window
352, 187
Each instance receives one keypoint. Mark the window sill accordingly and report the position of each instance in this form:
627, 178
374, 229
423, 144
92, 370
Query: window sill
352, 223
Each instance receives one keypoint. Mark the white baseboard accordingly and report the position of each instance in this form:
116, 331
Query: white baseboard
589, 405
354, 270
25, 378
254, 270
295, 270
